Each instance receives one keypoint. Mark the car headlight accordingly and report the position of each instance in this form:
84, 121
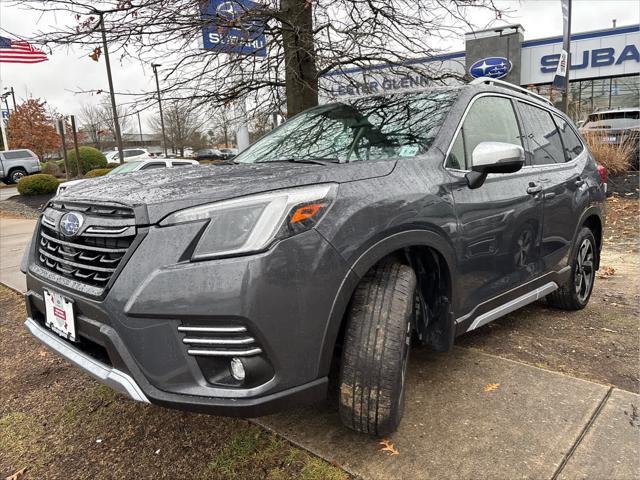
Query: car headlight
250, 224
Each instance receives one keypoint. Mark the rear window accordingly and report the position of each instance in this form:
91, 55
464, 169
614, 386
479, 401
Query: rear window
616, 120
17, 155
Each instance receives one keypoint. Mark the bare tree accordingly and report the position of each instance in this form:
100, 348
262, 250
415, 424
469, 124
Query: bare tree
305, 40
181, 121
91, 123
105, 114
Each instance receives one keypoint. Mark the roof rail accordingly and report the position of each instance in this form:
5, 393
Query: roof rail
501, 83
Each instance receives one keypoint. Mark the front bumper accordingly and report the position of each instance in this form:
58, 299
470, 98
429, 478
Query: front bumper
282, 297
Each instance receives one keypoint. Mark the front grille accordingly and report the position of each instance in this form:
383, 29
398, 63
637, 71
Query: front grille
93, 256
228, 341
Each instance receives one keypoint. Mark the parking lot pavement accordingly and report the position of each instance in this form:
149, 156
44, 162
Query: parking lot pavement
14, 237
468, 415
473, 415
8, 192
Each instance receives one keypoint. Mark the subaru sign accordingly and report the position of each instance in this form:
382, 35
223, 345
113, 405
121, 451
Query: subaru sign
231, 28
492, 67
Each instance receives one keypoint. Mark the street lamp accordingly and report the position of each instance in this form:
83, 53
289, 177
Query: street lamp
164, 139
13, 96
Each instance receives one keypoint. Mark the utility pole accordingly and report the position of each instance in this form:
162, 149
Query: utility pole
116, 122
140, 129
64, 149
75, 143
164, 138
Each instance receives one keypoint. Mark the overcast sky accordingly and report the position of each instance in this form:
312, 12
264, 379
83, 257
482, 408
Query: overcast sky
70, 71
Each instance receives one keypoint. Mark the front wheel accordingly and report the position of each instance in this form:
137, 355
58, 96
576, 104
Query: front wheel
574, 294
16, 175
376, 350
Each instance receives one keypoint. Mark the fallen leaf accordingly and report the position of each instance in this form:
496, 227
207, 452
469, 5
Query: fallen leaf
491, 387
606, 272
387, 446
17, 474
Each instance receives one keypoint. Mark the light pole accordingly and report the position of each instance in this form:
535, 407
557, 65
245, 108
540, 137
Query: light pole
116, 122
140, 129
164, 138
13, 96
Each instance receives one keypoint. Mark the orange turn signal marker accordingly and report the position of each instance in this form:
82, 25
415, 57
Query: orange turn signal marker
306, 212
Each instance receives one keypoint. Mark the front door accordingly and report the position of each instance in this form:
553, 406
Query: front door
499, 223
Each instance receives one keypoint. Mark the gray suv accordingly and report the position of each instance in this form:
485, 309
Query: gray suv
348, 234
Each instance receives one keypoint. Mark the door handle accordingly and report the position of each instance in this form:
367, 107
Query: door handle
534, 188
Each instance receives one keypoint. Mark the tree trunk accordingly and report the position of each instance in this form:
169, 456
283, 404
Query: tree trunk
301, 76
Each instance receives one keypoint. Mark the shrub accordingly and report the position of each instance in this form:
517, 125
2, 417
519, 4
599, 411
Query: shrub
90, 158
97, 172
38, 184
51, 168
616, 158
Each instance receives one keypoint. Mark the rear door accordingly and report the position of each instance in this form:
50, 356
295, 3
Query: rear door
499, 229
557, 158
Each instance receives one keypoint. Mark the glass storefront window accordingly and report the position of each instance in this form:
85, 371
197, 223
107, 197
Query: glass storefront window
587, 96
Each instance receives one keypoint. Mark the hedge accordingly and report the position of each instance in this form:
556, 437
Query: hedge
90, 159
38, 184
98, 172
51, 168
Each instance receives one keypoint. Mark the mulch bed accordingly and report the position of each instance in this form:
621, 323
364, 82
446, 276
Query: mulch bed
36, 202
625, 185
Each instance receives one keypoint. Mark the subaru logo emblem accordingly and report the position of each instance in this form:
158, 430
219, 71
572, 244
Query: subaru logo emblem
492, 67
70, 223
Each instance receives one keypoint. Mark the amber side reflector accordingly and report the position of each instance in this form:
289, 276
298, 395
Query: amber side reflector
306, 212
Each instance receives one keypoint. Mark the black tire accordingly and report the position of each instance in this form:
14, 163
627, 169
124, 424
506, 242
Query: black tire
376, 350
574, 294
16, 174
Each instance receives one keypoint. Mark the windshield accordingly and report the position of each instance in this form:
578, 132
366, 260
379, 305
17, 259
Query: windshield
370, 128
619, 120
125, 167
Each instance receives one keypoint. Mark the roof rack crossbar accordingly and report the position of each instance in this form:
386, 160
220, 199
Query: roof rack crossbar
501, 83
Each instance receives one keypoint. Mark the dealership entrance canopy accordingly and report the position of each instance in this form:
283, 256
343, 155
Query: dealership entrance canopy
605, 67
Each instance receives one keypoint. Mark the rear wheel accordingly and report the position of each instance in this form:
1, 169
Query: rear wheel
576, 291
376, 350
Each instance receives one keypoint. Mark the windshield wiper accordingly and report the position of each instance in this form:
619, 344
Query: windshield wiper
312, 160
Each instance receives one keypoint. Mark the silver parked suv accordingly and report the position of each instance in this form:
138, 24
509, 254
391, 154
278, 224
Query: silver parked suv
346, 235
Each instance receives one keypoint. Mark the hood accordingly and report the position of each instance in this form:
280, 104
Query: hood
163, 191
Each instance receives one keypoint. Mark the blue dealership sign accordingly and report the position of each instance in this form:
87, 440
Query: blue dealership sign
231, 28
492, 67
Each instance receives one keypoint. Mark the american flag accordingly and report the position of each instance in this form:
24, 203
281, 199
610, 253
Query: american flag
19, 51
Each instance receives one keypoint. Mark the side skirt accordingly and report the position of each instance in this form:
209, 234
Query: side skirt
506, 303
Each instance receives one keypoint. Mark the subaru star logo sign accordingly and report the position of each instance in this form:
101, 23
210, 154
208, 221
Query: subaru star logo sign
70, 224
493, 67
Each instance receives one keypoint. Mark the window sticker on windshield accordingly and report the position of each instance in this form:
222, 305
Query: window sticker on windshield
408, 150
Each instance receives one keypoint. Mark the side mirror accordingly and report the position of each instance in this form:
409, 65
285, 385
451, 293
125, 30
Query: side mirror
493, 157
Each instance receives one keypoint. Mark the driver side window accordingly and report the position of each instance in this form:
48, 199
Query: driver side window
490, 119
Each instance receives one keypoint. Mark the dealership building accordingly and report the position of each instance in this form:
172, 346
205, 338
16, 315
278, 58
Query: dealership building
605, 67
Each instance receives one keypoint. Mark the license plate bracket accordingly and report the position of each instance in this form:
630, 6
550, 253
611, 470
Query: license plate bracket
59, 315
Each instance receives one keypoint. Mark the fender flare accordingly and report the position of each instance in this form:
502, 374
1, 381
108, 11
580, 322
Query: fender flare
593, 210
361, 265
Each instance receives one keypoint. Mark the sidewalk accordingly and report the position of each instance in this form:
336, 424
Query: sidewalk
468, 415
14, 236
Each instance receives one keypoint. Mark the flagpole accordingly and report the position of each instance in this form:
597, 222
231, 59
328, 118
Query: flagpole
5, 142
116, 122
567, 48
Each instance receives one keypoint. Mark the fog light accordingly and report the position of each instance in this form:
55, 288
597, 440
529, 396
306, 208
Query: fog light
237, 369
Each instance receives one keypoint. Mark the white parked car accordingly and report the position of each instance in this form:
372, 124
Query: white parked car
133, 166
130, 154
